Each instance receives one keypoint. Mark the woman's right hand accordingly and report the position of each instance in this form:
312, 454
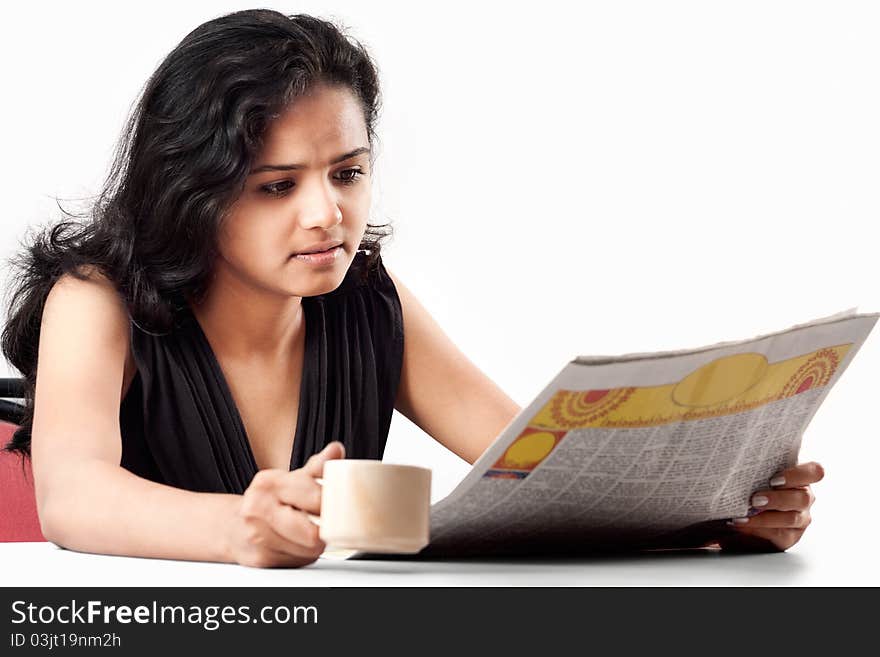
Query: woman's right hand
270, 527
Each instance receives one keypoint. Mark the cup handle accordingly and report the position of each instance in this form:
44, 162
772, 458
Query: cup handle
311, 516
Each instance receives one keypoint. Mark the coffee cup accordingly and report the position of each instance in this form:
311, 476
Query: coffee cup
373, 506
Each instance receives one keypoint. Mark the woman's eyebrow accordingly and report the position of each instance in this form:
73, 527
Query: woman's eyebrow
288, 167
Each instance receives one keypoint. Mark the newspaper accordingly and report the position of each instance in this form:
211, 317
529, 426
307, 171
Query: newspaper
646, 450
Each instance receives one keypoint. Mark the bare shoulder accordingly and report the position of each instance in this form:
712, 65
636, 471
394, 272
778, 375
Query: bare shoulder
90, 297
90, 304
84, 317
88, 278
88, 301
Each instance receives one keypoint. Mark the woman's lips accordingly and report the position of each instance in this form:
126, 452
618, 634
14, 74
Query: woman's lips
320, 258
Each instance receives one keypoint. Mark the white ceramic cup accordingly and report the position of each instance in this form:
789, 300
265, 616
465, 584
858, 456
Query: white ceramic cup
373, 506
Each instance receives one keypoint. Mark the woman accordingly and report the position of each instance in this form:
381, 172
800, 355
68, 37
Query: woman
223, 324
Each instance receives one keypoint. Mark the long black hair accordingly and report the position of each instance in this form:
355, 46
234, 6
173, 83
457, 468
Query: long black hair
181, 162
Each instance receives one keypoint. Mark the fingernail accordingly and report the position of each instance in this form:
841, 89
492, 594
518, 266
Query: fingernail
777, 481
753, 512
738, 521
759, 500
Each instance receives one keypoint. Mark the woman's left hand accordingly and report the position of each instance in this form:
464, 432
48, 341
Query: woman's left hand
782, 512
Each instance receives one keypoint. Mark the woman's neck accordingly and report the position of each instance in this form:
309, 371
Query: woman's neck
244, 322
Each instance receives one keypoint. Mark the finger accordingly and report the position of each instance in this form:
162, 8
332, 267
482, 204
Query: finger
315, 465
778, 519
263, 536
295, 488
783, 499
802, 474
261, 495
299, 490
295, 527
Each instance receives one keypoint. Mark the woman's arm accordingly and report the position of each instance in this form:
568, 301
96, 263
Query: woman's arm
85, 500
116, 512
442, 391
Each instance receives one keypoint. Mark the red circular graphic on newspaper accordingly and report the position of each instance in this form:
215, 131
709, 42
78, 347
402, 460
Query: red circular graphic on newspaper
816, 372
571, 409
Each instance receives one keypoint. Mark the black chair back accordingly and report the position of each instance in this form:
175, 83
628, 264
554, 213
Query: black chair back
11, 411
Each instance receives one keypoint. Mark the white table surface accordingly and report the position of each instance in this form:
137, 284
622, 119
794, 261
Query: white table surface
44, 564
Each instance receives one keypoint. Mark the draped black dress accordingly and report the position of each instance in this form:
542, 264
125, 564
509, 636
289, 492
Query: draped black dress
179, 422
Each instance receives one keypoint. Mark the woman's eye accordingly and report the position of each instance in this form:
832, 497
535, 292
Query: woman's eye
346, 177
355, 175
277, 189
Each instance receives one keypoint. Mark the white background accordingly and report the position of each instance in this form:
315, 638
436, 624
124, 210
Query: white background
564, 178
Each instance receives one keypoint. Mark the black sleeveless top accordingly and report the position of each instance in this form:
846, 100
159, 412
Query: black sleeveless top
179, 422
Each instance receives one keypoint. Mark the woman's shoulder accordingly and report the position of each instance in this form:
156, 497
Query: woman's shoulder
84, 311
87, 289
85, 276
87, 298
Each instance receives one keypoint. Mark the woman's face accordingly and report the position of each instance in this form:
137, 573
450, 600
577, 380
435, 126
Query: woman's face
309, 188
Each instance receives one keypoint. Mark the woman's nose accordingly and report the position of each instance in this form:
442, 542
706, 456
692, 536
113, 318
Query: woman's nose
319, 208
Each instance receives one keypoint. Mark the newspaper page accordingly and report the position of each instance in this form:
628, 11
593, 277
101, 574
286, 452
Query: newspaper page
646, 450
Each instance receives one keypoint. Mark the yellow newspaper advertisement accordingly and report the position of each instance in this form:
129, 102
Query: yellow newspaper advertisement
647, 450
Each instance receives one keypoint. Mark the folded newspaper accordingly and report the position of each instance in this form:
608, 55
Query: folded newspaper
645, 450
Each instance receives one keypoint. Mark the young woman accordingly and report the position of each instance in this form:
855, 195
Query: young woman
223, 323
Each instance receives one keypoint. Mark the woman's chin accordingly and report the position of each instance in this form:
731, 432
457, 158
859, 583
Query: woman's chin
310, 282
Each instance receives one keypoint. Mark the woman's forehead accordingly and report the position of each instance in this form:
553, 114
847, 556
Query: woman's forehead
317, 125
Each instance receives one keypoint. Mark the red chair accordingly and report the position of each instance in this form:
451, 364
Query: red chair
18, 504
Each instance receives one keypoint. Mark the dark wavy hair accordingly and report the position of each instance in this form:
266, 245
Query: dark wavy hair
180, 163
